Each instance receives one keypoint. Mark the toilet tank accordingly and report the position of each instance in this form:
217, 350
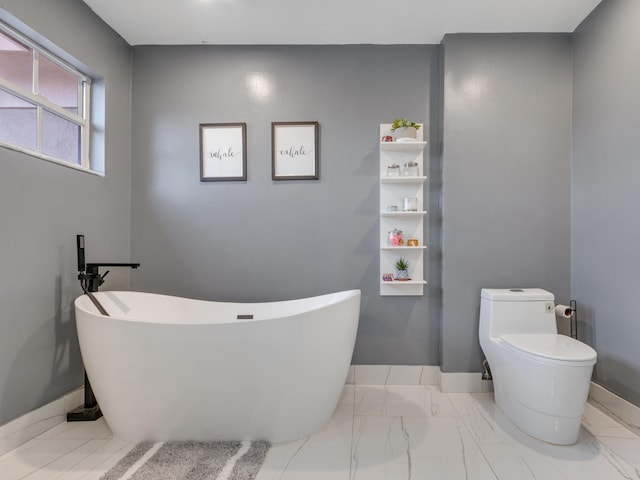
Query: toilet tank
516, 310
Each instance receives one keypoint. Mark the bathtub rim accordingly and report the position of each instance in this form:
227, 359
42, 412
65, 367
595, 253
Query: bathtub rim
83, 301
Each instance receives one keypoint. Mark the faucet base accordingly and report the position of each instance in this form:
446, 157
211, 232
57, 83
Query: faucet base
84, 414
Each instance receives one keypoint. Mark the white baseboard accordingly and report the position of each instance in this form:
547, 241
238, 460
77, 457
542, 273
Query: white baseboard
418, 375
473, 383
460, 382
32, 424
393, 375
618, 407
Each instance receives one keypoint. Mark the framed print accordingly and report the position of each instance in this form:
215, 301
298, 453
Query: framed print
294, 153
223, 152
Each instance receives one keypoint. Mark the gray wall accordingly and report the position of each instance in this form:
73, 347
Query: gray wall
506, 114
605, 261
506, 177
264, 240
43, 206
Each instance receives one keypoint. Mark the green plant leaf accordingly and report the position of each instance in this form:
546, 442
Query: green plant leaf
402, 264
403, 122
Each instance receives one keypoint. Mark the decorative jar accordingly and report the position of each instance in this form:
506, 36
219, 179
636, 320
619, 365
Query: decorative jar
393, 170
409, 204
410, 169
395, 238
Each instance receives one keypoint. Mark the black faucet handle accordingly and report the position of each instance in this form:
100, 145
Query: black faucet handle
101, 280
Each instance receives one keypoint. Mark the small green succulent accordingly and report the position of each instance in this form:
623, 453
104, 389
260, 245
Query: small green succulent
403, 122
402, 264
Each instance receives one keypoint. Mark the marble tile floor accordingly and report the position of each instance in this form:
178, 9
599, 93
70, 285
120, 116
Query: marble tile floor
376, 433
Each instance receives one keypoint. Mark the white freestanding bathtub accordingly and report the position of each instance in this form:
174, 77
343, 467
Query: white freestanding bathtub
169, 368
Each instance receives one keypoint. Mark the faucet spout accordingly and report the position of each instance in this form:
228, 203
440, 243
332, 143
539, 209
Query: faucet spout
94, 266
91, 278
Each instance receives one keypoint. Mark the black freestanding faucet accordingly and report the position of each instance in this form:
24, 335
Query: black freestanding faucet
90, 280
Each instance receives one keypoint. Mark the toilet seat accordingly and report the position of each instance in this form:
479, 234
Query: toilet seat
550, 348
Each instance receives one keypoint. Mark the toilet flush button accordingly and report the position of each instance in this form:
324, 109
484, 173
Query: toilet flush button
549, 307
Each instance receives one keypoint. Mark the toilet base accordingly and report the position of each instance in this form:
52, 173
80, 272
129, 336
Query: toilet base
548, 428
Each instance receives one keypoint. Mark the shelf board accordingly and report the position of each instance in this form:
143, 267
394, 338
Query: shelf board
402, 180
403, 214
402, 146
405, 247
408, 282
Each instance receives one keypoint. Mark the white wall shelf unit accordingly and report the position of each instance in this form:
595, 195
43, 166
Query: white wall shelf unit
393, 190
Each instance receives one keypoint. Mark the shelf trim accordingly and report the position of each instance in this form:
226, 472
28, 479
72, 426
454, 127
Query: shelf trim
405, 247
420, 213
402, 146
401, 180
408, 282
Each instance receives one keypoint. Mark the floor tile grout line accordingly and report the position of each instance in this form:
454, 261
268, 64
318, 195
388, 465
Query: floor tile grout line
477, 442
80, 460
18, 449
127, 447
353, 426
286, 468
58, 457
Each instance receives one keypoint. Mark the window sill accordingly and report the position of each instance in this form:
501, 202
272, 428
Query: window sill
57, 161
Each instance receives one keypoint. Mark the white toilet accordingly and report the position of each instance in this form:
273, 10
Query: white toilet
540, 378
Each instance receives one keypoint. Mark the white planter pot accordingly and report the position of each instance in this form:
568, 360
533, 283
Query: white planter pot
405, 134
402, 275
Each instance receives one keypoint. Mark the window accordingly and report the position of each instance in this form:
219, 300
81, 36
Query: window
44, 102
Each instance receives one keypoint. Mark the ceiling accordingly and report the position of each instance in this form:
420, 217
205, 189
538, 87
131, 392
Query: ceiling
258, 22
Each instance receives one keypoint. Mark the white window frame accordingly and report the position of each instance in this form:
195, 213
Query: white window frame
82, 119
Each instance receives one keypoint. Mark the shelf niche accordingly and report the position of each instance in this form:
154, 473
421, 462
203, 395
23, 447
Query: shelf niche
392, 192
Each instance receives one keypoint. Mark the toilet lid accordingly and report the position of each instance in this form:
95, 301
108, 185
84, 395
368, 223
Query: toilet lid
551, 346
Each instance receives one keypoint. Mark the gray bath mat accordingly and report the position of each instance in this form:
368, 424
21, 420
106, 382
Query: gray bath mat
190, 461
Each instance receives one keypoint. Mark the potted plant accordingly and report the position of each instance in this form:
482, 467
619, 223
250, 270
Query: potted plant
402, 269
404, 130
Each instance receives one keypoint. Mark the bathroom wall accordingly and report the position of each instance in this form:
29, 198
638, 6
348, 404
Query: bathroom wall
265, 240
507, 213
44, 205
605, 193
506, 177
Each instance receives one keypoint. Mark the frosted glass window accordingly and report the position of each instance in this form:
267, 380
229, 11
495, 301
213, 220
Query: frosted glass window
60, 138
18, 121
44, 102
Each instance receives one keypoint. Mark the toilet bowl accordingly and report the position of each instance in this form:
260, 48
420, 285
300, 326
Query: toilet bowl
540, 378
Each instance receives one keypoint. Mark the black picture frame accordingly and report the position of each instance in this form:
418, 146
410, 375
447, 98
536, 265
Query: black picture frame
223, 152
295, 151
